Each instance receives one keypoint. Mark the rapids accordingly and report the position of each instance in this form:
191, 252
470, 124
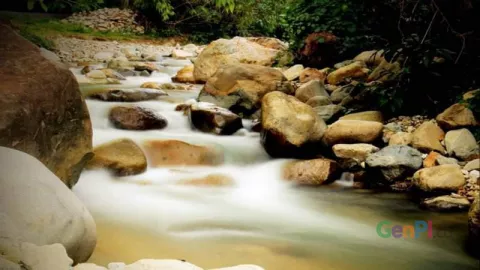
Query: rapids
260, 220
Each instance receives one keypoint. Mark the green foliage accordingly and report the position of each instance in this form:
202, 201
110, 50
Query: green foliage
65, 5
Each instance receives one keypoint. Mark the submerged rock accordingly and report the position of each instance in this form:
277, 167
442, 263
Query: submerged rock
290, 128
353, 131
124, 157
209, 118
136, 118
241, 87
462, 144
310, 172
134, 95
447, 203
456, 116
396, 162
178, 153
439, 178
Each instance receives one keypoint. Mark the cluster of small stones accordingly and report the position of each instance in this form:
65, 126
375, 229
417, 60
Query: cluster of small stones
472, 187
408, 123
108, 19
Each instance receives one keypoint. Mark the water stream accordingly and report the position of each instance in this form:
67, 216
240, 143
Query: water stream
260, 220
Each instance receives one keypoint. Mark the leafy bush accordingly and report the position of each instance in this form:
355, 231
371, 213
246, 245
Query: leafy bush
64, 5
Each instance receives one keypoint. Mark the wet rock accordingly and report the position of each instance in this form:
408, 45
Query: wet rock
439, 178
353, 131
120, 63
456, 116
181, 54
232, 52
96, 74
359, 152
396, 162
110, 73
130, 95
185, 75
354, 70
209, 118
472, 165
310, 74
241, 87
462, 144
122, 156
371, 58
36, 207
149, 67
318, 101
446, 203
290, 127
375, 116
401, 138
311, 172
311, 89
178, 153
86, 69
427, 137
294, 72
329, 112
42, 111
136, 118
211, 180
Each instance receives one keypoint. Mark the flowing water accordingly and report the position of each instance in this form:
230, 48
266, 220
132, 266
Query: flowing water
261, 219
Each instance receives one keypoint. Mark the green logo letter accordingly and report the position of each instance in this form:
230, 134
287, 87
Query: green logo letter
385, 234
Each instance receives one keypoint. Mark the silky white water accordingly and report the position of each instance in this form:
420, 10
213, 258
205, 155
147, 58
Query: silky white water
261, 219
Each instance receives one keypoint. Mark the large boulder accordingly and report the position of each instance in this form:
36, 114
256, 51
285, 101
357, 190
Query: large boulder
395, 162
310, 172
456, 116
447, 177
290, 128
462, 144
209, 118
353, 131
241, 87
136, 118
42, 111
35, 207
230, 52
427, 137
122, 156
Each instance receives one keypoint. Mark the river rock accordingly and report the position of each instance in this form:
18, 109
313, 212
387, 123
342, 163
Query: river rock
431, 159
427, 137
96, 74
149, 67
241, 87
163, 153
209, 118
474, 226
353, 131
446, 203
311, 89
181, 54
374, 116
341, 93
294, 72
441, 160
401, 138
310, 172
290, 127
42, 111
35, 207
231, 52
127, 95
185, 75
462, 144
372, 58
472, 165
456, 116
124, 157
110, 73
396, 161
104, 56
439, 178
120, 63
318, 101
329, 112
359, 152
353, 70
136, 118
30, 256
310, 74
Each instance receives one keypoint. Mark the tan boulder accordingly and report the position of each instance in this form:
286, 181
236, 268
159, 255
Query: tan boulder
96, 74
373, 58
353, 131
290, 127
185, 75
431, 159
462, 144
231, 51
354, 70
446, 203
439, 178
241, 87
163, 153
427, 137
375, 116
310, 74
359, 151
122, 156
401, 138
310, 172
456, 116
311, 89
42, 111
294, 72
